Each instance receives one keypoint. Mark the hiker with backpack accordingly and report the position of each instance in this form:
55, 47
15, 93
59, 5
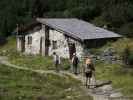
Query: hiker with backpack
56, 60
75, 62
88, 70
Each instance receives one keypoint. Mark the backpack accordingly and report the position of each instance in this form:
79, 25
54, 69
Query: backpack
89, 68
57, 59
75, 60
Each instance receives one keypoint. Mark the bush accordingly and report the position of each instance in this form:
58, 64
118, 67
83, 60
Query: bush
2, 40
130, 59
127, 29
100, 21
94, 51
128, 56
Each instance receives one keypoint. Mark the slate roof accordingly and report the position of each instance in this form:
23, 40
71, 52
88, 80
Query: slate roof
78, 29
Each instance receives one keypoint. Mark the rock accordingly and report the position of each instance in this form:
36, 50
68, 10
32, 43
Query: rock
116, 95
41, 98
69, 97
104, 82
99, 97
69, 89
107, 88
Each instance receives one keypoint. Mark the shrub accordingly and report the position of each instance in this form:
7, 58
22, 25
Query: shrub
94, 51
128, 56
127, 29
130, 59
100, 21
126, 53
2, 40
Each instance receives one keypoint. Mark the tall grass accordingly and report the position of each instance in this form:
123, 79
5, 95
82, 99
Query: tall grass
36, 62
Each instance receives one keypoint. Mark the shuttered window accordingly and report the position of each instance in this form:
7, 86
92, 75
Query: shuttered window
29, 40
54, 44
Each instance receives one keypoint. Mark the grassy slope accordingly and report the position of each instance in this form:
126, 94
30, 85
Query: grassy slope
36, 62
10, 45
121, 77
22, 85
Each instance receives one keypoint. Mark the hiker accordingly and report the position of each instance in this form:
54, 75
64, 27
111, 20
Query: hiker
56, 60
75, 62
88, 70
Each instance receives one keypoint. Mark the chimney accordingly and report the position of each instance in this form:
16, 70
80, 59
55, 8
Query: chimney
105, 26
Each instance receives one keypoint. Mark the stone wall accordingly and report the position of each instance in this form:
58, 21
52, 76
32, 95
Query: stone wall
62, 44
109, 55
34, 47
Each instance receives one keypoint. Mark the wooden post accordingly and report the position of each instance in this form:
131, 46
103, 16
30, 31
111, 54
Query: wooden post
17, 39
41, 46
72, 48
47, 41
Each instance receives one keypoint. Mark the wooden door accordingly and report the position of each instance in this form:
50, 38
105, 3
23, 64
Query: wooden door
72, 49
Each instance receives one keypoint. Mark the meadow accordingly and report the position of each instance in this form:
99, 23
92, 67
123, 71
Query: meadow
18, 84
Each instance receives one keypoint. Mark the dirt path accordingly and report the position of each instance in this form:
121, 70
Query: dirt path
4, 61
105, 92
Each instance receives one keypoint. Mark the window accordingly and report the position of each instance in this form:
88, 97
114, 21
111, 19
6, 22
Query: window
29, 39
54, 44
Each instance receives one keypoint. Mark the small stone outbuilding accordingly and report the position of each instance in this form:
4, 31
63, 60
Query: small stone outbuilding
62, 35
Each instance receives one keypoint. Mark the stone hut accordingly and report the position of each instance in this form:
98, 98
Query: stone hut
62, 35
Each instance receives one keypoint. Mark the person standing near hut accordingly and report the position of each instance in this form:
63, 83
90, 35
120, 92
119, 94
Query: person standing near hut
56, 60
88, 70
75, 62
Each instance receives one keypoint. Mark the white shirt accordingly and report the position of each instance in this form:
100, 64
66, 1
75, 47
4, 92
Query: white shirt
56, 58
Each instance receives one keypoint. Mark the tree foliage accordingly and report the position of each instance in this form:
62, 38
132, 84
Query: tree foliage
115, 13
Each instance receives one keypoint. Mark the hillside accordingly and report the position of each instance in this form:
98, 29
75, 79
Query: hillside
115, 14
18, 84
119, 74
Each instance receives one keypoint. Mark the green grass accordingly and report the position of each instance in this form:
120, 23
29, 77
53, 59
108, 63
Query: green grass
23, 85
122, 78
36, 62
9, 46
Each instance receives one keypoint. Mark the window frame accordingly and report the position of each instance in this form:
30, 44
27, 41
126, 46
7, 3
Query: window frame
54, 44
29, 42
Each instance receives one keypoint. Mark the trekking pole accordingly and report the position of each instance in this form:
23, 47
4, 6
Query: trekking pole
81, 71
83, 78
94, 75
